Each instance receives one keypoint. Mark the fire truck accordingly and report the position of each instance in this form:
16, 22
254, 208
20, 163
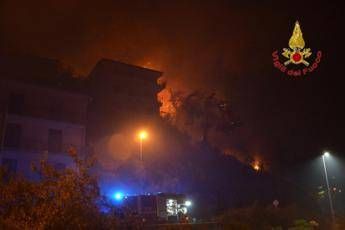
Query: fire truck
161, 207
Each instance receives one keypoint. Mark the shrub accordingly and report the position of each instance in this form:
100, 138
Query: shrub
61, 199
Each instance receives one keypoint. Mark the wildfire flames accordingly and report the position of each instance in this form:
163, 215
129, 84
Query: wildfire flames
168, 106
202, 115
205, 117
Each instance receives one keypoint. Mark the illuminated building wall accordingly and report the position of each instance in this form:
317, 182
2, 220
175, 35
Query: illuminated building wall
39, 122
55, 106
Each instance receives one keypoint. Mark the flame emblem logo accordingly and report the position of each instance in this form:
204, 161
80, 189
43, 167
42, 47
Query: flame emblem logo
297, 53
296, 57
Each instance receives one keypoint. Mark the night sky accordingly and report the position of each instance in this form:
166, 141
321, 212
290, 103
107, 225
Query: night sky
224, 46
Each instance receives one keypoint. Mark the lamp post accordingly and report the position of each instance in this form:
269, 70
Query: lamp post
142, 136
326, 154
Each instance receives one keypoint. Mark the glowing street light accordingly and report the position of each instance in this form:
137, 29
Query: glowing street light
324, 155
143, 135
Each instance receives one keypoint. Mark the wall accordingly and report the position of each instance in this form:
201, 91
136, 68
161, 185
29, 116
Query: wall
44, 108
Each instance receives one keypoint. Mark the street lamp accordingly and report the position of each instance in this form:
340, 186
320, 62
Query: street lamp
326, 154
142, 136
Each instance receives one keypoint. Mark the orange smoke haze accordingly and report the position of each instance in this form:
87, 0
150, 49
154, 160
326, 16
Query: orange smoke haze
208, 46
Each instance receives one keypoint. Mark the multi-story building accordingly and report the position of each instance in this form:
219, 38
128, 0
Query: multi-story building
121, 94
124, 99
44, 111
39, 121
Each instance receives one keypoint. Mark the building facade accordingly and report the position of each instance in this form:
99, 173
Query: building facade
39, 122
121, 94
44, 111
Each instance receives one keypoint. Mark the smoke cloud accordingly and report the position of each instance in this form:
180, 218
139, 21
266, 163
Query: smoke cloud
205, 46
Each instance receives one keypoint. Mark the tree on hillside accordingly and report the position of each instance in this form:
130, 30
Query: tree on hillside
199, 114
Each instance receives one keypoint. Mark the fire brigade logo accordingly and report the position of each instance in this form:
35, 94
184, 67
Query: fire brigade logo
296, 57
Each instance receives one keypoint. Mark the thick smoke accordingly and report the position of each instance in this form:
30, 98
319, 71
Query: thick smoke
195, 44
206, 118
201, 46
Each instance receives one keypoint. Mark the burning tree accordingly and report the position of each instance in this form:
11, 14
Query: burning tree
202, 115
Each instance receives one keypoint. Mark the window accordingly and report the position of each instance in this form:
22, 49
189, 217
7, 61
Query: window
10, 165
55, 140
16, 103
13, 135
